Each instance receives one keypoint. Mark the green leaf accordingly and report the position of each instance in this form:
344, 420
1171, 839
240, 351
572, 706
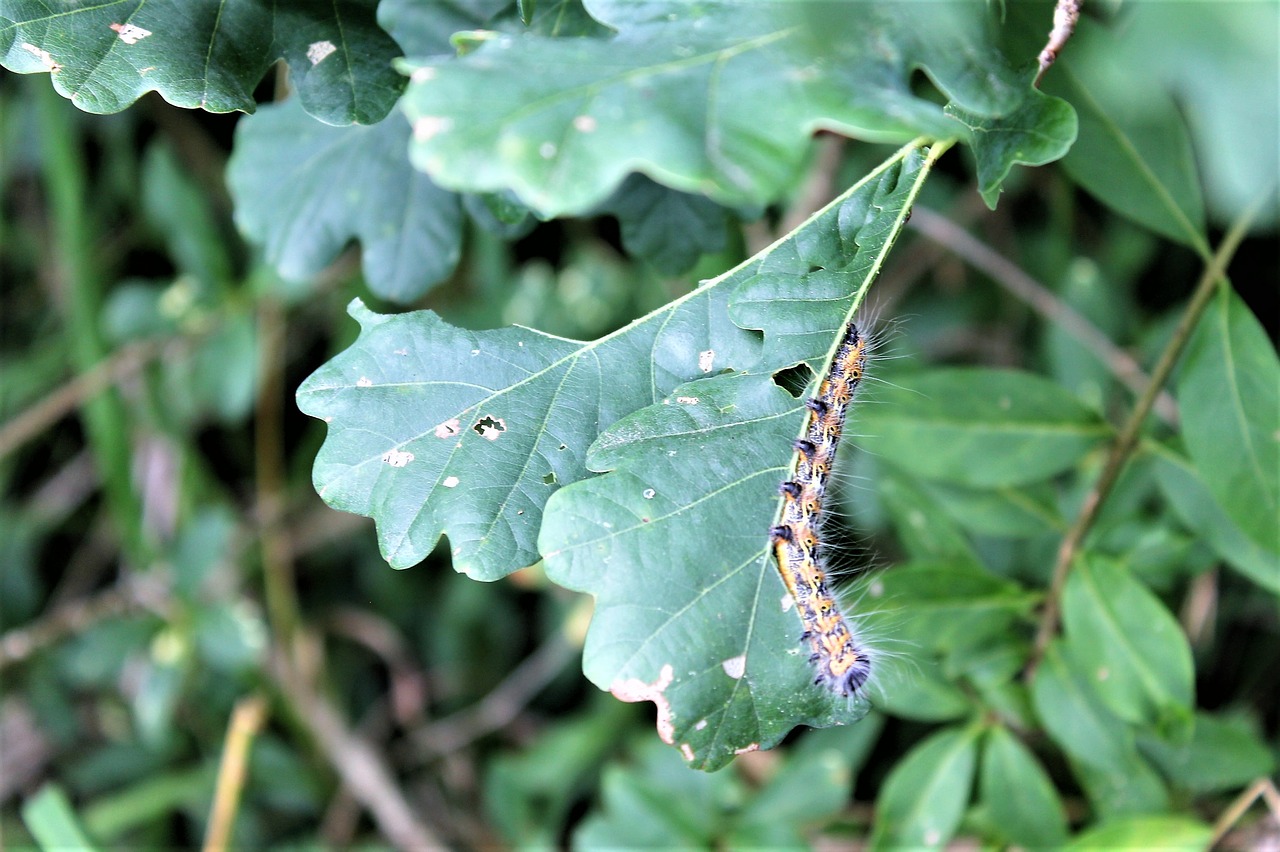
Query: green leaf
1131, 649
813, 785
304, 189
1074, 717
1130, 789
941, 605
1201, 513
52, 821
659, 803
1233, 111
674, 545
926, 793
1005, 511
206, 54
1039, 131
1223, 754
922, 527
669, 229
435, 429
143, 803
980, 427
1229, 397
528, 793
1147, 832
1133, 153
676, 94
915, 688
1019, 794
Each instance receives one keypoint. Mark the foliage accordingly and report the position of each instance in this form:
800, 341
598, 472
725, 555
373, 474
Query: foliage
1074, 621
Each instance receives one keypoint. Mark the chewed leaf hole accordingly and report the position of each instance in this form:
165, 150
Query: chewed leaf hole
549, 478
490, 427
794, 380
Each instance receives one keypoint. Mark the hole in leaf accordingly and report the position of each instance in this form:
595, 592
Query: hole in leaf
794, 380
490, 427
549, 479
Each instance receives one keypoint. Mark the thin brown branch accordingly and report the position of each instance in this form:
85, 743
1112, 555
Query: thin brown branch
408, 686
246, 720
1066, 13
1043, 301
1263, 788
500, 706
279, 588
1213, 276
68, 397
77, 616
357, 763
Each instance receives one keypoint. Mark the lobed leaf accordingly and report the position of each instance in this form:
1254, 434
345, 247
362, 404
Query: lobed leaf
673, 542
205, 54
676, 95
1041, 130
304, 189
434, 429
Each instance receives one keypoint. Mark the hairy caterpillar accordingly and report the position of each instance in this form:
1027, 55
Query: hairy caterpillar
843, 665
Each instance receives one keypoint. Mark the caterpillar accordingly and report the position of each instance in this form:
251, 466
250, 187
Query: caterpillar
843, 665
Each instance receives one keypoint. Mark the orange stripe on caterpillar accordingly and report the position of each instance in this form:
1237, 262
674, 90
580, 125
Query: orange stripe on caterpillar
843, 666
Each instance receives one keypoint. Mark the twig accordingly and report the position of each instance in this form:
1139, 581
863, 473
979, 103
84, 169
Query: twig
246, 721
1263, 788
1066, 13
279, 588
408, 687
1214, 274
71, 395
501, 705
22, 642
356, 762
1043, 301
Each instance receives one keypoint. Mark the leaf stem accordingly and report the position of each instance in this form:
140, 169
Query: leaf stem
1214, 274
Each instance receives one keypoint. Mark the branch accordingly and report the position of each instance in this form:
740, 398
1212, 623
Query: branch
356, 762
1043, 301
500, 706
71, 395
1214, 274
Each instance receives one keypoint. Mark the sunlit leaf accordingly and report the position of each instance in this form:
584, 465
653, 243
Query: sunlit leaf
677, 93
206, 54
434, 429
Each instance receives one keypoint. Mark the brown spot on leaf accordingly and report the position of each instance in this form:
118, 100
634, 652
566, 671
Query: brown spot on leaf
634, 689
